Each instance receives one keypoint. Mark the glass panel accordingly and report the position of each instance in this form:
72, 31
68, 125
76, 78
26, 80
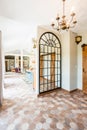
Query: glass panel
54, 38
41, 88
49, 78
49, 49
41, 58
42, 42
49, 58
45, 49
49, 71
49, 86
47, 35
44, 72
52, 85
41, 80
57, 44
56, 84
45, 57
58, 57
45, 87
41, 72
48, 64
45, 64
45, 38
53, 65
56, 70
56, 50
45, 80
41, 48
56, 78
56, 64
53, 49
53, 78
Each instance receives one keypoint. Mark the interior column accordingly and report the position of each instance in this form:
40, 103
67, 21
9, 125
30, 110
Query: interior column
21, 61
1, 71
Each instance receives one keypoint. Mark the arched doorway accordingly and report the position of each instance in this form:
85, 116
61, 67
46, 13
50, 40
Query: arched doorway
49, 62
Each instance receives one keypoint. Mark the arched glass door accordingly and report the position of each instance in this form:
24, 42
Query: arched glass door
49, 62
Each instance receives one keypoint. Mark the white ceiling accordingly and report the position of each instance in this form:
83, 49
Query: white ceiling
16, 35
28, 14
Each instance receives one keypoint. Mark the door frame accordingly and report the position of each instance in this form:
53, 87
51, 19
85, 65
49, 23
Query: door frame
83, 45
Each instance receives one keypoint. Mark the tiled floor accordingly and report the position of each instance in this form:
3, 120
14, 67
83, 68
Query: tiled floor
59, 110
16, 85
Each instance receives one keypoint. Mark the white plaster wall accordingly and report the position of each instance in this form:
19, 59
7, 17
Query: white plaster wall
73, 62
1, 70
69, 61
79, 60
65, 61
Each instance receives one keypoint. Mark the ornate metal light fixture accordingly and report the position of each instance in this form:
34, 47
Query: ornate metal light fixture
62, 23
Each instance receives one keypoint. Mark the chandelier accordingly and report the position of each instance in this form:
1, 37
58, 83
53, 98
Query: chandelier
63, 23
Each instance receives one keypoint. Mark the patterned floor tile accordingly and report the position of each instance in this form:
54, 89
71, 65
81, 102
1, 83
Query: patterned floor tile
23, 110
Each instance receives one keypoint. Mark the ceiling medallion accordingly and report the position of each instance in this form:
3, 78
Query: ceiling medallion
62, 22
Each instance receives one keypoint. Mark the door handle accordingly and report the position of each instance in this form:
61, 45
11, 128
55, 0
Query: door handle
84, 70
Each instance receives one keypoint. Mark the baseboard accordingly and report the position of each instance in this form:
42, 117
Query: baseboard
44, 93
70, 90
73, 90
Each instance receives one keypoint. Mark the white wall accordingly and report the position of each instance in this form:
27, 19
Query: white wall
73, 62
79, 71
1, 70
65, 61
69, 61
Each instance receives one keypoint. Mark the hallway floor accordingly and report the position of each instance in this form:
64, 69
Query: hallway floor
23, 110
17, 85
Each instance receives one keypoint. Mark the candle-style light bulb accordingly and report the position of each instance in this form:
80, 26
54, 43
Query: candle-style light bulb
72, 10
57, 15
52, 23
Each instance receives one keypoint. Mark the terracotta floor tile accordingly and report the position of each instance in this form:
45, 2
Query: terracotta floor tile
59, 110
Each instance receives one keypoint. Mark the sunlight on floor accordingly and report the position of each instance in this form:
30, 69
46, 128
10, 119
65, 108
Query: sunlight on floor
16, 85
